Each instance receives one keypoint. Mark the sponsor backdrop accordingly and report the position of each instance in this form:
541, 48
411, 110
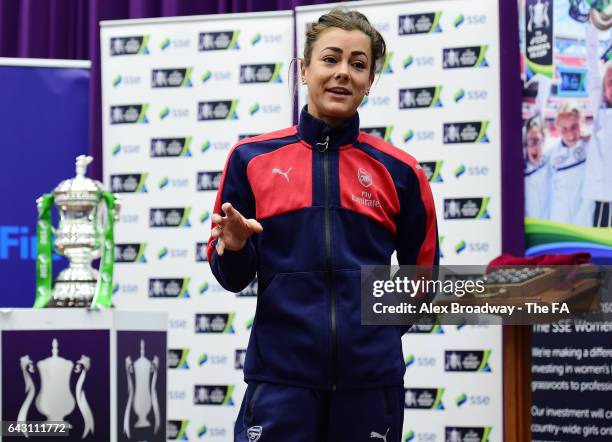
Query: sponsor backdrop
177, 95
46, 121
438, 99
565, 46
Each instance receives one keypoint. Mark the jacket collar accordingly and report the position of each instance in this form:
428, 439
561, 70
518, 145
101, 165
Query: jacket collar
315, 131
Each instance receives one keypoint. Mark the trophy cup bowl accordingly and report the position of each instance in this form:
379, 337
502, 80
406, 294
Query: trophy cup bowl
79, 236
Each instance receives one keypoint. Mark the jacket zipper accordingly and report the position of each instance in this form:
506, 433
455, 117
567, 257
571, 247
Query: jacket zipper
329, 264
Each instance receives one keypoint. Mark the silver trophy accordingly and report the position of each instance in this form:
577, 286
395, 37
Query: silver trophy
55, 400
85, 233
142, 391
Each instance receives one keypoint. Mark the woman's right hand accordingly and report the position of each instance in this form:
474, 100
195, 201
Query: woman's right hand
233, 229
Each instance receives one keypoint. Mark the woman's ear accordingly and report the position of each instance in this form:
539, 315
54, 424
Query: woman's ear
302, 71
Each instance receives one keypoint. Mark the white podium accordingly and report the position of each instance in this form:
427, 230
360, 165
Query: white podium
102, 372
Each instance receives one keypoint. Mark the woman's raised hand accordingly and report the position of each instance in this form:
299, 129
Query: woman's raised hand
233, 229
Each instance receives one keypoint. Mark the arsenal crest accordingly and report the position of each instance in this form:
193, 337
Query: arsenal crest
365, 177
254, 433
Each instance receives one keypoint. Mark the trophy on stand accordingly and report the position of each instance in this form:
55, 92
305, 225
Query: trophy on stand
55, 399
142, 391
86, 218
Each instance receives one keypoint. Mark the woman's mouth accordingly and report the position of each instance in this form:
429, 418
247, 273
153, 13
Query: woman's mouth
339, 91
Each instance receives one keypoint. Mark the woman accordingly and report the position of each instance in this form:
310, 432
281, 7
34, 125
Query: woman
304, 208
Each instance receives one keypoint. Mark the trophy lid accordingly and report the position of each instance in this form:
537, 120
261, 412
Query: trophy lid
80, 184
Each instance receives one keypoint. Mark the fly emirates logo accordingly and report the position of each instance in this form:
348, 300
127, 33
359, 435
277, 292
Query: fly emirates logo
366, 198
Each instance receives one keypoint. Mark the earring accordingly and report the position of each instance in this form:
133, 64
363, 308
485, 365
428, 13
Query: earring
368, 92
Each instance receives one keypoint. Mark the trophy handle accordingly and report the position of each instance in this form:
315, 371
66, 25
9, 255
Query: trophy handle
27, 367
82, 366
155, 369
129, 368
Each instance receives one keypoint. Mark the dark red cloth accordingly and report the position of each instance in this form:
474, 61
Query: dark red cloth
506, 259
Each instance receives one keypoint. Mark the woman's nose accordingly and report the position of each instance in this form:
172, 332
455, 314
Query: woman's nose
342, 72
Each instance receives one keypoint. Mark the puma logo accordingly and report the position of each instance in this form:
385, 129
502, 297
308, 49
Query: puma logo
376, 435
280, 172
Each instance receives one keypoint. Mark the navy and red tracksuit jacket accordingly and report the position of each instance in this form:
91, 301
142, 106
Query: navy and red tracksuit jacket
330, 200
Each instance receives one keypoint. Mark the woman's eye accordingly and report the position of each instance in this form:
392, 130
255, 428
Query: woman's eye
329, 59
359, 65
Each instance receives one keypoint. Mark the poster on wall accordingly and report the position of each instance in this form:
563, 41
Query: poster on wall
566, 61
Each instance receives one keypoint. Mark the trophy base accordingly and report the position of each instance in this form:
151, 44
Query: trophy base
73, 294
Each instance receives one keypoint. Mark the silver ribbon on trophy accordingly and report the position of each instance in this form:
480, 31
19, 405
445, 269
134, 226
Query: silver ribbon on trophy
142, 397
55, 400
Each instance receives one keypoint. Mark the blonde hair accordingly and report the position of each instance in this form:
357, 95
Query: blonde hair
568, 108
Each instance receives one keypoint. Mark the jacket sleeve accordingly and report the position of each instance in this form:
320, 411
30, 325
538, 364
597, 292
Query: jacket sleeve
417, 235
417, 231
234, 270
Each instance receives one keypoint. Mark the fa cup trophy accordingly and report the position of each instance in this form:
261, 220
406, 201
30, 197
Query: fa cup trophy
85, 232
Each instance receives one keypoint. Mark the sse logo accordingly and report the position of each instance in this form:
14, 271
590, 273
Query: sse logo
466, 208
260, 38
421, 61
125, 149
472, 171
127, 80
470, 95
250, 290
471, 247
470, 20
175, 43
